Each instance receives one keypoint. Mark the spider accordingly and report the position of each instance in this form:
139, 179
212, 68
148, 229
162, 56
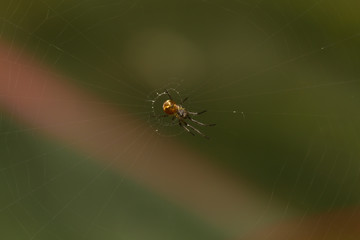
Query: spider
181, 114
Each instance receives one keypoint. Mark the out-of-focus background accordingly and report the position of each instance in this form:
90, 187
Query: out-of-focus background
83, 157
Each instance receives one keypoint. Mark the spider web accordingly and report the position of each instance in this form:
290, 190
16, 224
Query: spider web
82, 157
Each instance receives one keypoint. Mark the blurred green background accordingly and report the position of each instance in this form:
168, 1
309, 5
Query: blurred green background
280, 79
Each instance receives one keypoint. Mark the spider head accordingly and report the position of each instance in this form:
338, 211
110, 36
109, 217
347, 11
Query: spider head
170, 107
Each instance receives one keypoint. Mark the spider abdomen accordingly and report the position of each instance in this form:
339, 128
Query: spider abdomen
170, 107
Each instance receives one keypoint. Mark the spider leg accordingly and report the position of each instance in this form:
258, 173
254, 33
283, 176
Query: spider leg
197, 113
184, 100
167, 93
186, 128
200, 123
196, 130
